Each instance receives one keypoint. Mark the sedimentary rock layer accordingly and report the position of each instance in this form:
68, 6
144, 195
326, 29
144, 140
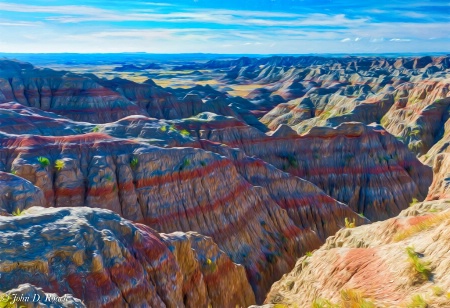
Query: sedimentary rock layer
399, 262
362, 166
107, 261
170, 190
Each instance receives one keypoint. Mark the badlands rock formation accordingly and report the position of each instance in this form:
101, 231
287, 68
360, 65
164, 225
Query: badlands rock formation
400, 262
107, 261
123, 193
395, 263
362, 166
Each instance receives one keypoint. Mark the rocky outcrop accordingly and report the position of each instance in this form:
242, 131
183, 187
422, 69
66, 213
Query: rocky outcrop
307, 205
362, 166
440, 188
17, 194
209, 271
107, 261
78, 97
399, 262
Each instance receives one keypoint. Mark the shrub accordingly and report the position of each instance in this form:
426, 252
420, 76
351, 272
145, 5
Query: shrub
211, 265
163, 128
109, 177
96, 129
134, 163
354, 298
350, 224
292, 161
18, 212
349, 298
59, 164
186, 163
414, 201
422, 268
417, 301
437, 291
14, 172
185, 133
308, 254
323, 303
43, 161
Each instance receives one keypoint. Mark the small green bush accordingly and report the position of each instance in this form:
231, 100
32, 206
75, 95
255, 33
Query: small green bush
185, 133
18, 212
417, 301
134, 163
59, 164
186, 163
350, 223
422, 268
44, 161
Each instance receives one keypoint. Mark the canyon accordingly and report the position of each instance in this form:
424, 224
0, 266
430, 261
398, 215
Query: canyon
279, 180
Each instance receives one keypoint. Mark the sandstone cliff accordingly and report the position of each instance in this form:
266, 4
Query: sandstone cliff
107, 261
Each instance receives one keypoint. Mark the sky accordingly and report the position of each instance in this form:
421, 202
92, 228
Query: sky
225, 26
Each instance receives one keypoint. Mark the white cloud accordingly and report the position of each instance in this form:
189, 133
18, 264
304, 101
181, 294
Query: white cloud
346, 39
399, 40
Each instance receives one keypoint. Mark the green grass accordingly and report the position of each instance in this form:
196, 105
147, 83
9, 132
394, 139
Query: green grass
163, 128
417, 301
422, 268
59, 164
109, 177
348, 298
96, 129
186, 163
308, 254
414, 201
44, 161
437, 291
18, 212
361, 215
172, 128
185, 133
414, 132
425, 224
14, 172
134, 163
323, 303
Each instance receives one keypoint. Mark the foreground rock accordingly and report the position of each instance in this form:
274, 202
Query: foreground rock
402, 261
107, 261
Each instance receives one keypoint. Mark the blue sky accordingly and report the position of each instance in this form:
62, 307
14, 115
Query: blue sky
225, 26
